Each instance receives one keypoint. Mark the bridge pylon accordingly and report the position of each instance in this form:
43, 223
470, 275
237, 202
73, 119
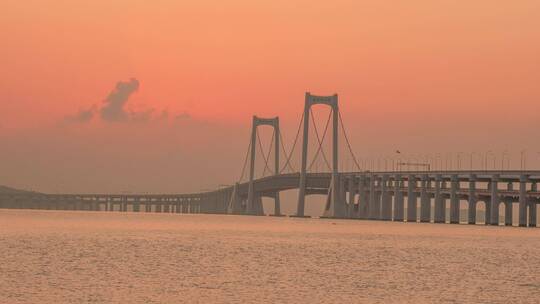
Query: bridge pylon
335, 206
254, 201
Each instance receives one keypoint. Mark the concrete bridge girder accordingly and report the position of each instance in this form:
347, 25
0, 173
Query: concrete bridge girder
511, 189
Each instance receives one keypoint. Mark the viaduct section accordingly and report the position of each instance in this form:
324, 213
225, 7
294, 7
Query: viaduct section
411, 196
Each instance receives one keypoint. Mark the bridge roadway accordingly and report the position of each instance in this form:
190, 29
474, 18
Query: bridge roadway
399, 196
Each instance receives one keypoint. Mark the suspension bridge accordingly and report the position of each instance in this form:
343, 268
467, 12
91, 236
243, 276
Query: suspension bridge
424, 195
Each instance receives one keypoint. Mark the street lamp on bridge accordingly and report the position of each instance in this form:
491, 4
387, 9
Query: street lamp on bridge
486, 159
523, 164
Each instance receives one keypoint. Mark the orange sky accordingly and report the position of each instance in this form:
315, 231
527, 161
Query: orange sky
424, 76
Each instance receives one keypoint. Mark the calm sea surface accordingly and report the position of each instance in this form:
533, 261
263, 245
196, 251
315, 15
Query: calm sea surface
98, 257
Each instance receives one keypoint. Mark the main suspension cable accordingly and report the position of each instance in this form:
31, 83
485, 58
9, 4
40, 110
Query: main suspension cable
265, 158
347, 140
245, 162
270, 150
284, 153
320, 149
294, 144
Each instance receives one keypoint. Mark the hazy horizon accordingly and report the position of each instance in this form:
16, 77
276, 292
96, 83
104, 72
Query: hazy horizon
131, 96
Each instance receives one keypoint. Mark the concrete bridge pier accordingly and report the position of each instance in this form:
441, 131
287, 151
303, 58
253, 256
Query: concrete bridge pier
398, 199
454, 200
79, 204
532, 207
203, 202
472, 200
532, 214
258, 206
411, 199
136, 205
386, 200
335, 203
95, 204
362, 198
123, 204
373, 203
342, 197
166, 206
179, 205
523, 200
439, 201
352, 195
508, 211
185, 207
494, 212
172, 206
425, 204
148, 206
235, 203
277, 205
487, 203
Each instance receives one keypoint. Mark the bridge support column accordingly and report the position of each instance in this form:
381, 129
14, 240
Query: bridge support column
373, 202
472, 200
425, 204
235, 203
335, 207
398, 199
362, 198
532, 207
178, 205
386, 200
352, 195
411, 199
532, 214
523, 200
78, 204
166, 208
494, 213
136, 205
454, 200
508, 212
147, 206
258, 205
440, 208
185, 207
277, 205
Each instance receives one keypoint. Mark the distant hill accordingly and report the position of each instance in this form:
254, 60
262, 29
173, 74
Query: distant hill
8, 190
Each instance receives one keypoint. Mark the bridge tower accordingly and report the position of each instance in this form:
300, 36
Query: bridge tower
254, 203
335, 206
